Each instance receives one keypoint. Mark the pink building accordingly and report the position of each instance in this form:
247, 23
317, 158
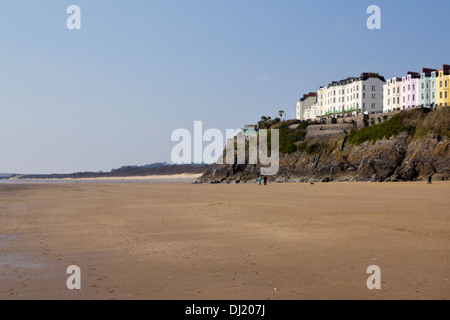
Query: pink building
410, 90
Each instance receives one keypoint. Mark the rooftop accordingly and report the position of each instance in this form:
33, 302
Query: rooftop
363, 77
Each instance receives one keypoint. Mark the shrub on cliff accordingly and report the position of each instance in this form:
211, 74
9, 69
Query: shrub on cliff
418, 123
289, 138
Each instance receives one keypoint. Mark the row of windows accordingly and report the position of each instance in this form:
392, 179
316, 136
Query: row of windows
409, 98
393, 91
428, 86
409, 87
428, 96
441, 83
349, 90
393, 101
350, 98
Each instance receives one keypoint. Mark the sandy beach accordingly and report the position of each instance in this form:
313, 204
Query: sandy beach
244, 241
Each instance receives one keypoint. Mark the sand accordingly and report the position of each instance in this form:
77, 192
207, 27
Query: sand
185, 241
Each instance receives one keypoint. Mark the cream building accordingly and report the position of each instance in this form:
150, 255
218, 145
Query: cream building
352, 96
392, 95
305, 103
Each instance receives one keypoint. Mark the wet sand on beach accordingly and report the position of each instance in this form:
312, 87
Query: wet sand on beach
237, 241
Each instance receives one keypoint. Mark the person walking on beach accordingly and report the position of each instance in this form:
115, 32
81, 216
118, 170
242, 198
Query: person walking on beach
265, 180
259, 180
429, 179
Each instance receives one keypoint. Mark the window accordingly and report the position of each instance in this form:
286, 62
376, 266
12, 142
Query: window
446, 82
364, 87
374, 88
414, 97
373, 105
423, 85
409, 87
414, 87
389, 101
440, 95
398, 100
423, 96
364, 95
373, 96
446, 94
440, 84
389, 91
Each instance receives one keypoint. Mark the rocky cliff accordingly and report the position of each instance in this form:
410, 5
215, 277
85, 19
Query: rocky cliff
404, 156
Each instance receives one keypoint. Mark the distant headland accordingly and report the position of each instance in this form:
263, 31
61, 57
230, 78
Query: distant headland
155, 169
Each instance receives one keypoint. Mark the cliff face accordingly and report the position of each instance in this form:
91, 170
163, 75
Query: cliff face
399, 158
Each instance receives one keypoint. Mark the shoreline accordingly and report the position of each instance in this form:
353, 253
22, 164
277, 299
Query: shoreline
194, 179
176, 177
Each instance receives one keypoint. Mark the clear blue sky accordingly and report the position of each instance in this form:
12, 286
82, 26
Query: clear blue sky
112, 93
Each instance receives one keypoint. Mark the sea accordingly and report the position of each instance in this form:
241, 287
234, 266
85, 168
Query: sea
100, 181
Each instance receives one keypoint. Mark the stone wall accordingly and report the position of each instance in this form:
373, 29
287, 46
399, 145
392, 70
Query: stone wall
325, 130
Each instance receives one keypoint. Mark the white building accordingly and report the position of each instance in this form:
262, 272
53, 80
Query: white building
315, 112
352, 96
305, 103
392, 95
312, 113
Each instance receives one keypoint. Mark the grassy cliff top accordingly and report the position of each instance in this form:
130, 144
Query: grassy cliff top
417, 122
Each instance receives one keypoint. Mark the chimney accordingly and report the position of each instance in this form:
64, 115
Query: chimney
446, 68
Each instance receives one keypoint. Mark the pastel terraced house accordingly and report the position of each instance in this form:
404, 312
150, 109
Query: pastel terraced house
410, 90
392, 95
443, 86
427, 88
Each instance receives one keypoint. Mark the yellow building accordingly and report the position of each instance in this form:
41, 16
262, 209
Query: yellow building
443, 87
